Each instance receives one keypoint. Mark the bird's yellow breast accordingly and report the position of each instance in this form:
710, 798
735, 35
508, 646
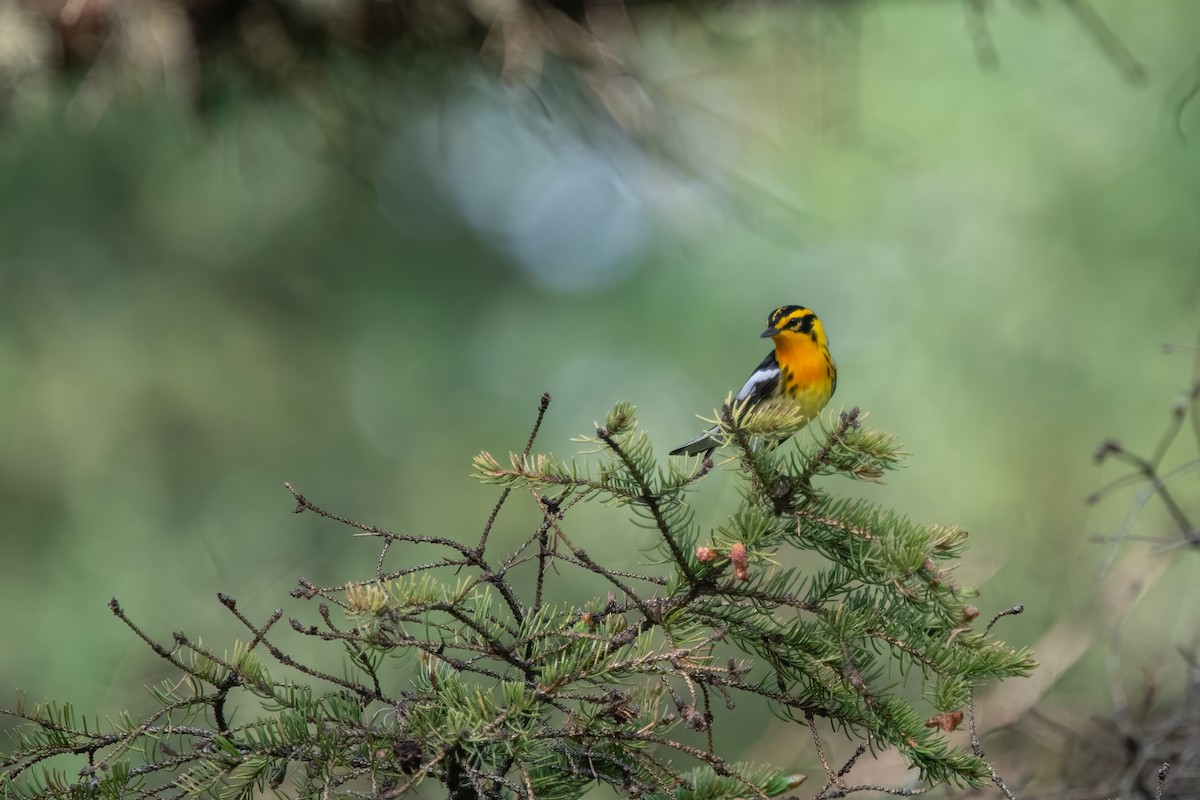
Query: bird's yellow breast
806, 372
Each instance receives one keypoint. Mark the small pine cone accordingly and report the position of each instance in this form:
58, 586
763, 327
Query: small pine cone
740, 561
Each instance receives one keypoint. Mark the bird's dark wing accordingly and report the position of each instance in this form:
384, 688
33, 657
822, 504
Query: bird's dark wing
761, 382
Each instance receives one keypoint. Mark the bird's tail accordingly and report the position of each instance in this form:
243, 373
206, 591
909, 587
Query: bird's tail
704, 443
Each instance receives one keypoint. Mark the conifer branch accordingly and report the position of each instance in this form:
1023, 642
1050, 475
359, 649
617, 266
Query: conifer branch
161, 651
512, 696
304, 504
543, 404
652, 502
820, 459
730, 418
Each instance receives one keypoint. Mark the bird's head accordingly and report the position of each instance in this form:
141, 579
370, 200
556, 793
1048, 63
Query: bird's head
790, 323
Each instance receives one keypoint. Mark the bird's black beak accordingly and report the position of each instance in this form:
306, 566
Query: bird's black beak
769, 332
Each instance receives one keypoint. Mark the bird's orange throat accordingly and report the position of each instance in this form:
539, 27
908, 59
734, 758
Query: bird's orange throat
801, 359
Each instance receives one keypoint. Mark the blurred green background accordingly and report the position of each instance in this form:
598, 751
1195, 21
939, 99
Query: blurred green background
193, 311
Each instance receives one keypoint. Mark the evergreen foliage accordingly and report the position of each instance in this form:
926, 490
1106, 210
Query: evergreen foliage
503, 694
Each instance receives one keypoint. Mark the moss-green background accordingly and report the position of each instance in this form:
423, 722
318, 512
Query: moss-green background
192, 312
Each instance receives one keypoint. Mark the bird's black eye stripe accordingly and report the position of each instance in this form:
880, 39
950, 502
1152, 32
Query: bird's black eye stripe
780, 314
803, 324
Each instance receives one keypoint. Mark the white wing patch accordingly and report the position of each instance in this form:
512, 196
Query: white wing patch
759, 382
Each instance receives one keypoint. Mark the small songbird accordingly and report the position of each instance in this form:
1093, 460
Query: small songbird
799, 371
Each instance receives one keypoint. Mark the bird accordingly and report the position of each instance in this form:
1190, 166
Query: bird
799, 371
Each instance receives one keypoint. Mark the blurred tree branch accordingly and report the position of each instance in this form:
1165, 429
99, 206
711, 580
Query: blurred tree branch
1148, 745
293, 45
